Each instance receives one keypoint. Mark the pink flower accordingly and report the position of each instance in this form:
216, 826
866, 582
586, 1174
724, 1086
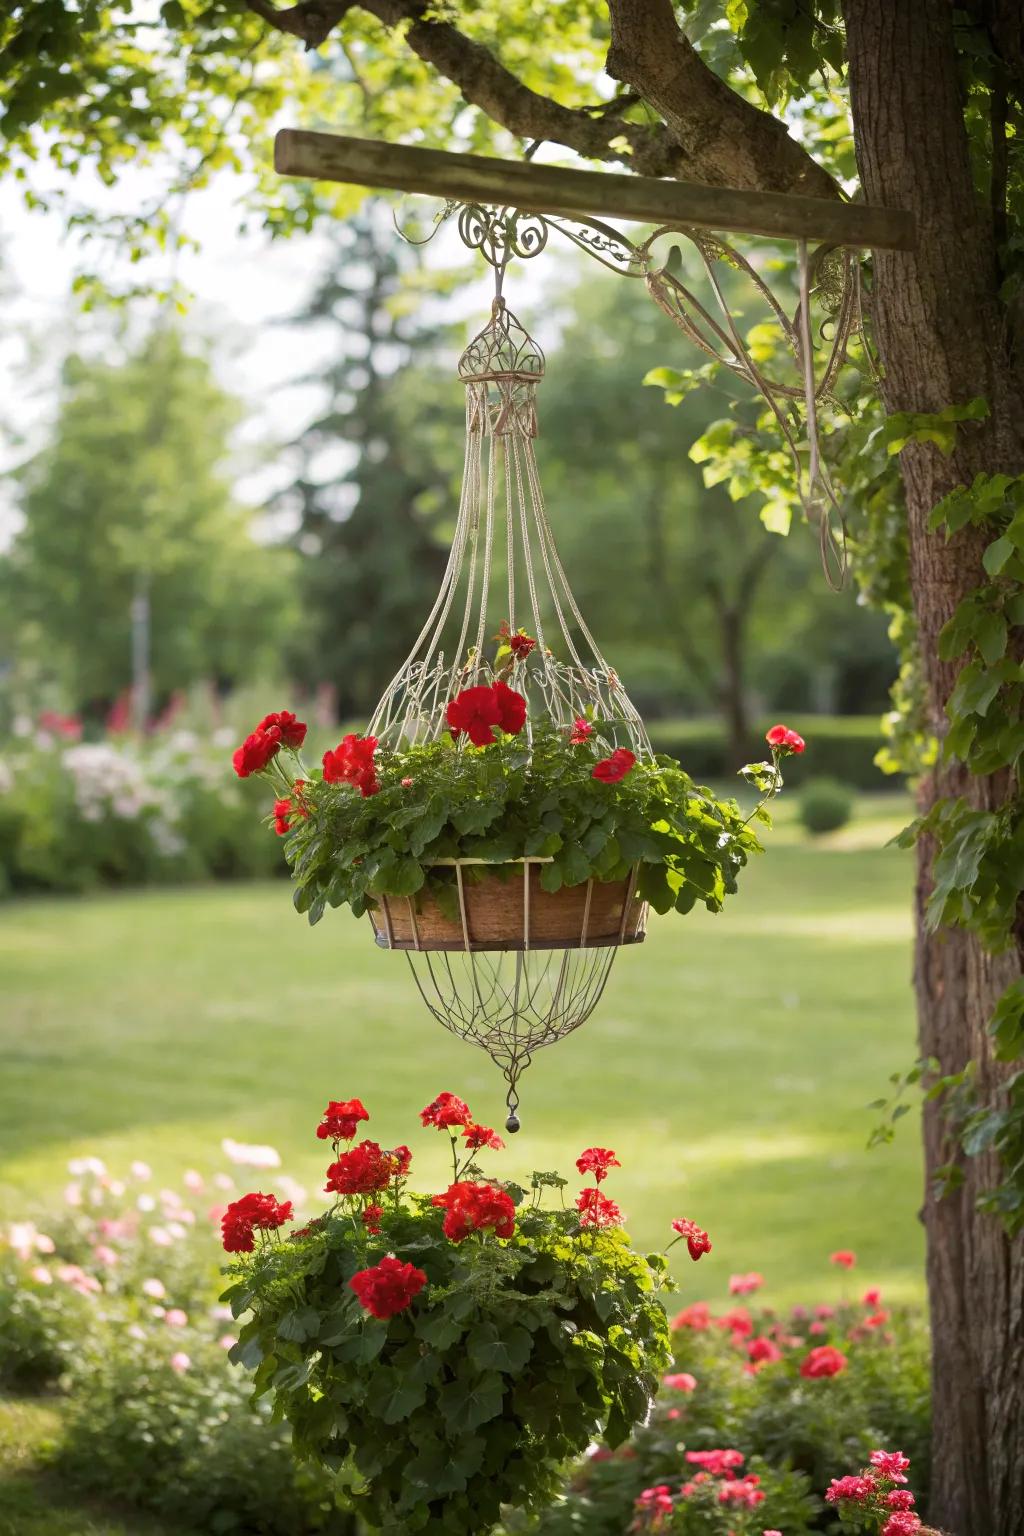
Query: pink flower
784, 740
174, 1317
871, 1297
581, 732
825, 1311
890, 1464
104, 1255
843, 1257
179, 1362
154, 1289
680, 1381
696, 1316
743, 1285
899, 1498
903, 1523
227, 1341
140, 1170
854, 1490
41, 1275
193, 1181
763, 1352
718, 1463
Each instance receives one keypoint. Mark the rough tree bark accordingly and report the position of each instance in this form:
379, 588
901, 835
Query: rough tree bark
942, 340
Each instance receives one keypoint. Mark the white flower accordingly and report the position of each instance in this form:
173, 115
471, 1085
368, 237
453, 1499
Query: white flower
80, 1166
250, 1156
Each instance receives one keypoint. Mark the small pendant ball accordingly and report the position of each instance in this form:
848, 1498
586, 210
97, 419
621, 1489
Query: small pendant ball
512, 1124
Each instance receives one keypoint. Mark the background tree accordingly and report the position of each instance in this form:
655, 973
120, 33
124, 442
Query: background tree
935, 94
112, 506
371, 561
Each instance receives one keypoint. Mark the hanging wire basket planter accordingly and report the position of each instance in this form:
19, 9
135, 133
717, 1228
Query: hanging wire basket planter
477, 822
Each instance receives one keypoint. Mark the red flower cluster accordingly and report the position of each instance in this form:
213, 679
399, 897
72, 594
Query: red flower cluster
843, 1257
892, 1465
743, 1491
255, 1212
784, 740
762, 1351
697, 1240
824, 1360
273, 732
696, 1316
478, 710
597, 1160
596, 1210
680, 1381
352, 762
852, 1489
655, 1503
366, 1169
388, 1287
476, 1136
611, 769
581, 732
371, 1218
445, 1111
518, 641
340, 1119
472, 1207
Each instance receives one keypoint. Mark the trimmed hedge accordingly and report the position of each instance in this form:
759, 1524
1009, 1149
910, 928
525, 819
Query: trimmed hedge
838, 746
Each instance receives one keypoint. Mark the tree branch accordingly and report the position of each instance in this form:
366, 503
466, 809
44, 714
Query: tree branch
725, 140
648, 149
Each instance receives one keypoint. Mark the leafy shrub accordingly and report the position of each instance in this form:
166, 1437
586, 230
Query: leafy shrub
825, 805
448, 1355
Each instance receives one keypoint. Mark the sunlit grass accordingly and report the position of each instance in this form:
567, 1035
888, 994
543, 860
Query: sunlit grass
729, 1064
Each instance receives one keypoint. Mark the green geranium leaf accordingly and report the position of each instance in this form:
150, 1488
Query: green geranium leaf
469, 1402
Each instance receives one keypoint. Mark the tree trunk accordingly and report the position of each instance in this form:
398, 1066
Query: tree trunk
732, 625
942, 340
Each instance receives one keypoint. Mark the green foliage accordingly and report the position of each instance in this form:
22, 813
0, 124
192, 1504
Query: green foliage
130, 494
515, 1356
512, 800
825, 805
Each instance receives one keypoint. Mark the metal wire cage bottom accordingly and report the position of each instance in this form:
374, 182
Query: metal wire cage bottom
511, 1003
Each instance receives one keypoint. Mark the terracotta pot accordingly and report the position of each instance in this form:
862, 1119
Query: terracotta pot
507, 912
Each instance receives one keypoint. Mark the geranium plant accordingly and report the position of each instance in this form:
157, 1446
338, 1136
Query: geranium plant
499, 785
447, 1353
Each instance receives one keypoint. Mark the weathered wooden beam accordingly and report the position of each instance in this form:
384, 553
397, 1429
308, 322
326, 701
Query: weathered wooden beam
551, 189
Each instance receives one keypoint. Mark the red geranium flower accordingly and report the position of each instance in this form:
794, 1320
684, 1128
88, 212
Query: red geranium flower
518, 641
696, 1316
742, 1490
250, 1213
292, 731
843, 1257
362, 1171
597, 1160
697, 1240
388, 1287
256, 751
476, 1136
401, 1159
581, 732
478, 710
371, 1218
445, 1111
282, 810
738, 1322
784, 740
352, 762
680, 1381
596, 1210
900, 1498
340, 1120
763, 1351
472, 1207
824, 1360
611, 769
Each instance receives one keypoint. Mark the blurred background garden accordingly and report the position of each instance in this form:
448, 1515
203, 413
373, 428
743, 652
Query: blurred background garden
185, 545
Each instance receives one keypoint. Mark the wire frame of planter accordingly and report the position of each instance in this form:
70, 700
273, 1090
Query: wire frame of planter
516, 967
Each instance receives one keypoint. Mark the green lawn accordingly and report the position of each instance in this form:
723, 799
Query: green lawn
729, 1064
